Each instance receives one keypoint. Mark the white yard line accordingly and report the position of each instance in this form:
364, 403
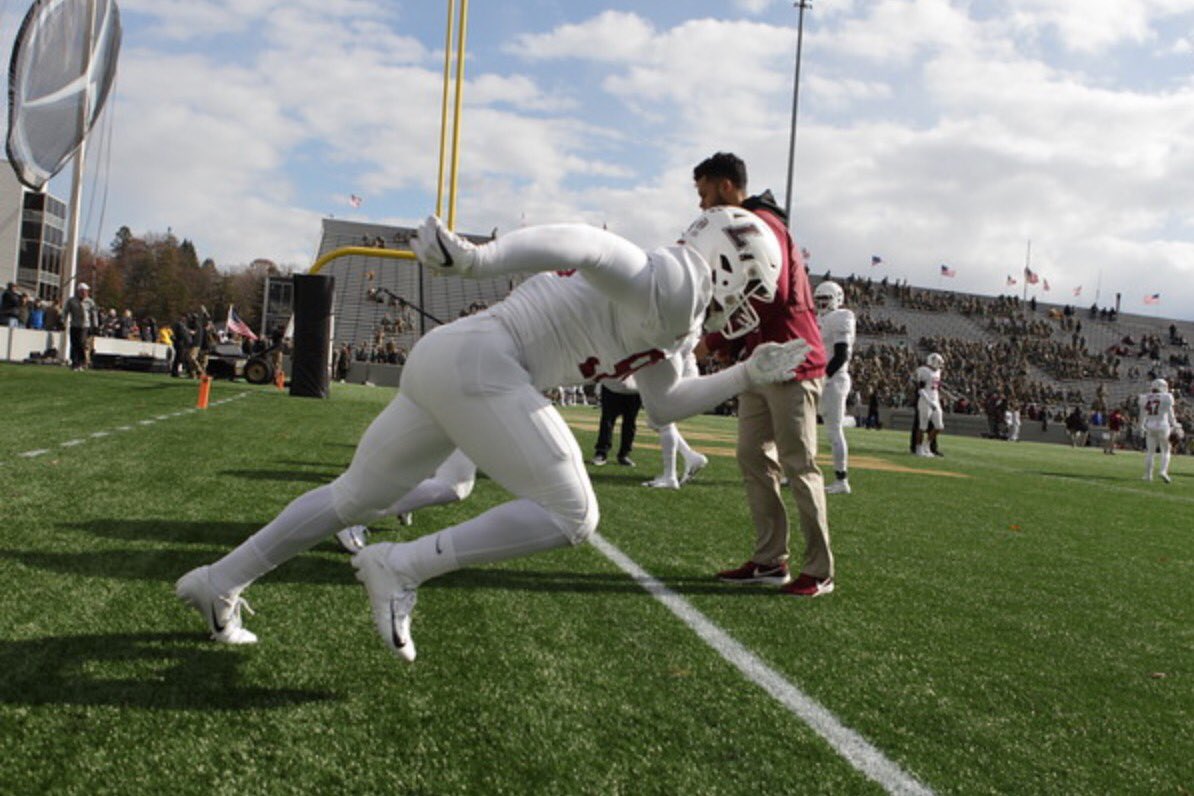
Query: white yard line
856, 750
71, 443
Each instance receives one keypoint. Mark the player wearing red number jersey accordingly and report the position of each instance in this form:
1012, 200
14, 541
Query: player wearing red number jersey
1157, 419
477, 385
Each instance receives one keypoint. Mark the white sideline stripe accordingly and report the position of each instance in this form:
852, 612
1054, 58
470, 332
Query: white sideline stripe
857, 751
70, 443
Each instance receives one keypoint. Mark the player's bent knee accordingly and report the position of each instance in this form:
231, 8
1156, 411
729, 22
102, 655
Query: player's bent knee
357, 504
580, 525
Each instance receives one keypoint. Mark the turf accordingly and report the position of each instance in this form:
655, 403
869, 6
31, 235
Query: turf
1013, 618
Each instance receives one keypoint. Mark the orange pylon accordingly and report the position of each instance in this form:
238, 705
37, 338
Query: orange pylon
280, 379
204, 391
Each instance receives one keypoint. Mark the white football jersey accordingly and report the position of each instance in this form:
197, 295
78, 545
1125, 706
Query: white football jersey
838, 327
1156, 411
928, 382
569, 330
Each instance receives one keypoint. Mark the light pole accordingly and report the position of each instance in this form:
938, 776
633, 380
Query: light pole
800, 4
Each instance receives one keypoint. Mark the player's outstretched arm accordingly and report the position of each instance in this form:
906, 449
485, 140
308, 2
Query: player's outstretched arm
613, 264
668, 396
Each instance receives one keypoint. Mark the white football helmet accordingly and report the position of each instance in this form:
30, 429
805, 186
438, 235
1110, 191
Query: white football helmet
935, 361
1160, 385
744, 261
829, 296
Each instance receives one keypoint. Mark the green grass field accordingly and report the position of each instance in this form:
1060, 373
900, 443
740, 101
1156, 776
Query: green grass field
1012, 619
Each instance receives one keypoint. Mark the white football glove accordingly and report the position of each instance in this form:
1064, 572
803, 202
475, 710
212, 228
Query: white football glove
442, 250
772, 363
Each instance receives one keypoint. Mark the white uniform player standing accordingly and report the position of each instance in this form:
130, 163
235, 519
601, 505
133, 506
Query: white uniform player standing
670, 440
476, 385
1157, 419
928, 404
837, 332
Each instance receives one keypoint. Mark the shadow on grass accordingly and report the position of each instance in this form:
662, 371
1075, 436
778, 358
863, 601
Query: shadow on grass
188, 532
154, 671
1082, 476
285, 476
169, 565
582, 582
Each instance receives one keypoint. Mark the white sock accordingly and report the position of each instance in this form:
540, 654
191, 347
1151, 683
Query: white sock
308, 520
512, 530
668, 436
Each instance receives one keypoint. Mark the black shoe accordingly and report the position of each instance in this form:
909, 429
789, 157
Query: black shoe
599, 459
625, 461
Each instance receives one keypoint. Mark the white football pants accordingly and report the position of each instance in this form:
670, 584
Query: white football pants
463, 388
1156, 441
833, 411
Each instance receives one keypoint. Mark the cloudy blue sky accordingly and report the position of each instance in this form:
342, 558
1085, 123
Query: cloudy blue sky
930, 131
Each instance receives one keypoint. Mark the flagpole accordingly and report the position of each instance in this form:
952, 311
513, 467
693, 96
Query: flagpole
1027, 260
76, 190
800, 4
1098, 285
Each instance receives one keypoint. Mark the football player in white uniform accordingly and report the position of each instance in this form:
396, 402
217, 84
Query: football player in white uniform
477, 384
928, 403
670, 440
1156, 421
837, 331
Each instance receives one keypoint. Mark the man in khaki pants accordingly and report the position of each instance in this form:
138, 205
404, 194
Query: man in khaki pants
777, 424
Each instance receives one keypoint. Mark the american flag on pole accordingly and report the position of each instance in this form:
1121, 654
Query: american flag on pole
355, 200
876, 259
1030, 276
1078, 290
947, 271
1011, 280
235, 325
1155, 298
1046, 285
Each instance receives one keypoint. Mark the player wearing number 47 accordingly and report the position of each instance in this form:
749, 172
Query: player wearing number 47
1156, 421
598, 306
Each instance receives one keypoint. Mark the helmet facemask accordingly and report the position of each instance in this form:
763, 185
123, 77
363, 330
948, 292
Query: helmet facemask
744, 262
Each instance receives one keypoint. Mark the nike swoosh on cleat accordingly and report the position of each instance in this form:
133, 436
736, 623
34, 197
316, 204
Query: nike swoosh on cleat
448, 262
438, 549
215, 621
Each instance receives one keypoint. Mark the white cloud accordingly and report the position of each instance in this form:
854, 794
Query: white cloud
609, 36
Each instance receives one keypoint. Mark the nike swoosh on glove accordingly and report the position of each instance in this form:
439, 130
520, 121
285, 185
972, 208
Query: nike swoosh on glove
442, 250
772, 363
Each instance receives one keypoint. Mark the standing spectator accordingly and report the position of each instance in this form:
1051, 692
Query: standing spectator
777, 423
181, 341
10, 301
1077, 428
81, 316
53, 317
37, 315
872, 411
1115, 424
619, 399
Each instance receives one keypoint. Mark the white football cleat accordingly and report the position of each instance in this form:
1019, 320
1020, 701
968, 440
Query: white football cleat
1165, 477
221, 611
406, 519
838, 488
442, 250
693, 466
662, 483
353, 539
392, 595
